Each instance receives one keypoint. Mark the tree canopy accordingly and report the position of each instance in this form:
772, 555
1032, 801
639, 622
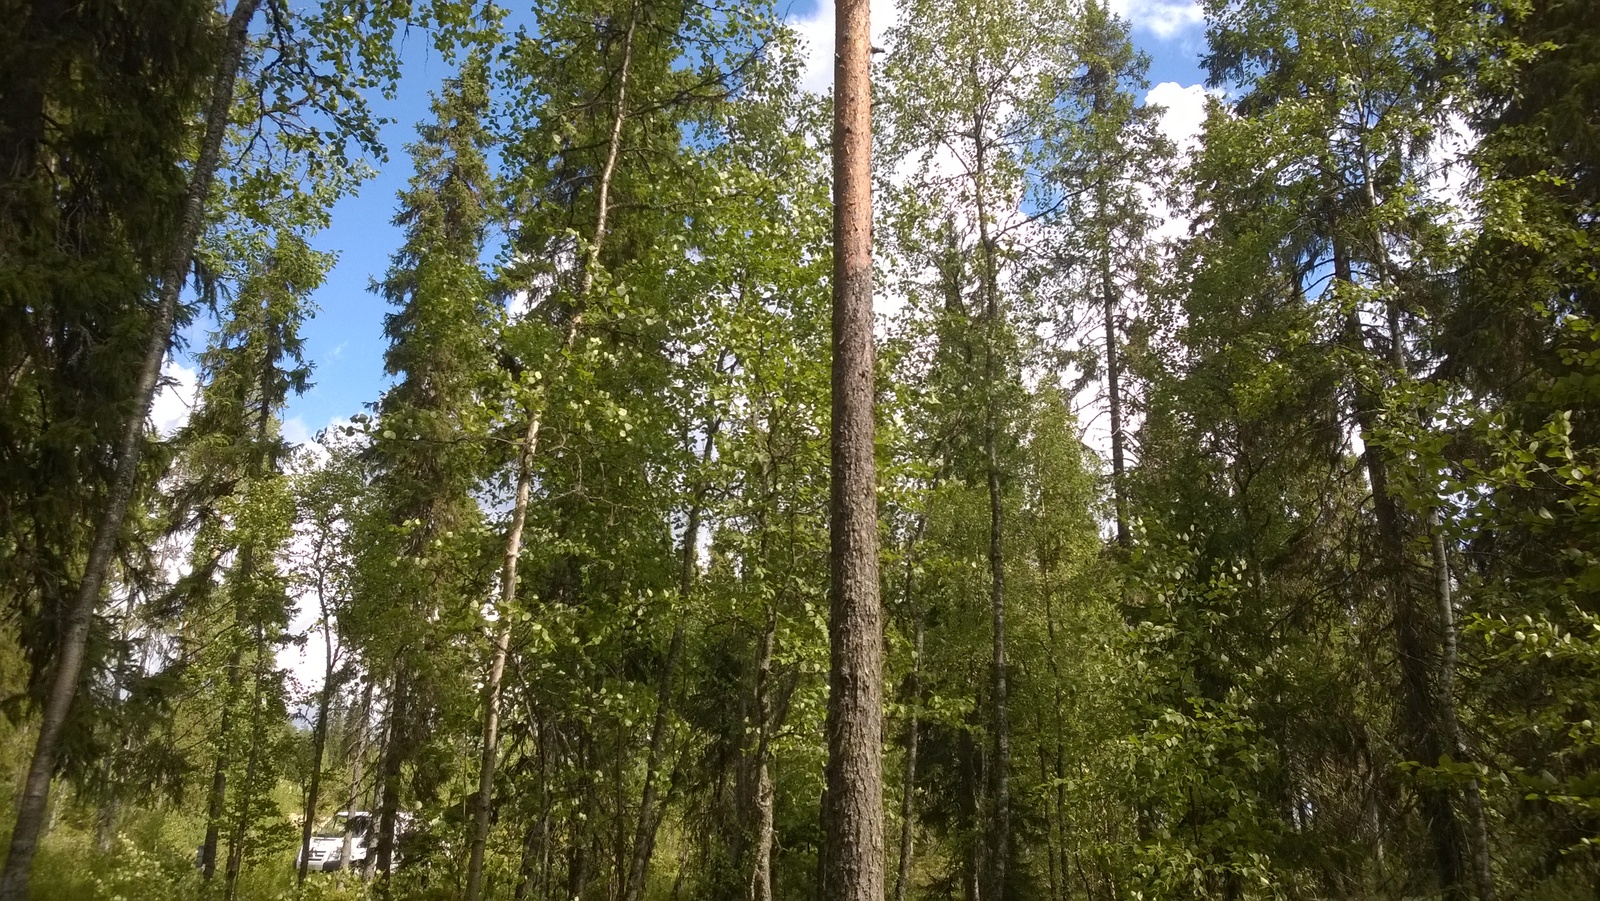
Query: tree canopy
949, 486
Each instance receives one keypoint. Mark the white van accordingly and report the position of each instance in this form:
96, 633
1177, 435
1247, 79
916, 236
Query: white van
328, 841
361, 830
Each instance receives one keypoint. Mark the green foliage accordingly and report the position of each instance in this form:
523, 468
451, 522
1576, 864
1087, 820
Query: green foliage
1321, 622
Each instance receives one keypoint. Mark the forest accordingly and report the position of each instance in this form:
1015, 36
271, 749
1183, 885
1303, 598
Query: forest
946, 485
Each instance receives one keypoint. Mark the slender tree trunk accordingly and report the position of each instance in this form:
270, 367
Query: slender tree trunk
531, 840
1002, 724
1049, 819
1059, 860
369, 866
971, 807
908, 784
619, 812
357, 763
644, 836
759, 885
579, 828
241, 824
389, 767
1418, 700
319, 744
1482, 863
853, 804
534, 873
1108, 305
760, 888
69, 662
111, 769
649, 816
1114, 393
530, 450
217, 796
483, 804
1001, 772
214, 802
578, 863
106, 819
545, 842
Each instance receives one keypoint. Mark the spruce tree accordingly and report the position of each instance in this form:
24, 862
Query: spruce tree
421, 574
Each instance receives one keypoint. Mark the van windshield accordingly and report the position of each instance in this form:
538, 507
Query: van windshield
337, 826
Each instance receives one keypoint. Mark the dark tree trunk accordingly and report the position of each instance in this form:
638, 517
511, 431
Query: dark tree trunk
532, 842
214, 802
22, 107
908, 784
579, 830
396, 740
1000, 700
971, 806
319, 744
241, 823
1049, 822
759, 860
217, 796
1108, 306
1410, 622
1001, 772
644, 839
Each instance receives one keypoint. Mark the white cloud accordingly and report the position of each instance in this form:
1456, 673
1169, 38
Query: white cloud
1166, 19
1184, 112
173, 403
816, 36
314, 453
1182, 118
1163, 18
1450, 171
295, 431
306, 663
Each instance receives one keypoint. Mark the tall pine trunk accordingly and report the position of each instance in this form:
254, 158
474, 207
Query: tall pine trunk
69, 662
853, 799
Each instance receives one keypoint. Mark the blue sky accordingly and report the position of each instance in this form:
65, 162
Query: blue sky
344, 340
